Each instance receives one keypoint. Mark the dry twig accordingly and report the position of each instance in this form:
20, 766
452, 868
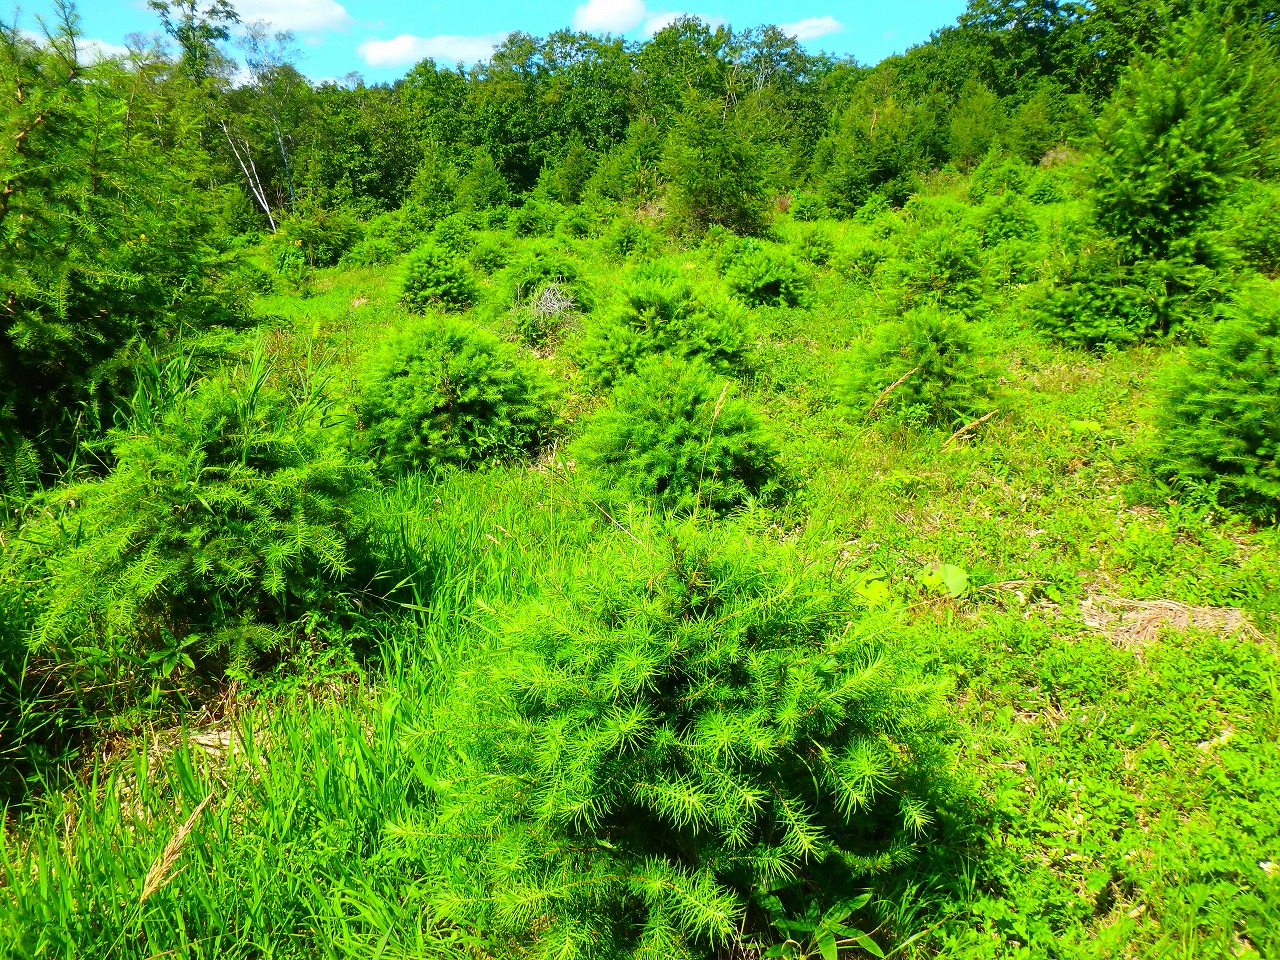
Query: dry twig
888, 390
966, 428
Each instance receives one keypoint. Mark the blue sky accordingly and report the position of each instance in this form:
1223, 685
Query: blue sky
381, 39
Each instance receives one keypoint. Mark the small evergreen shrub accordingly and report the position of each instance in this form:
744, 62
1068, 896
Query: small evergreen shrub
932, 358
386, 237
1253, 227
675, 435
535, 218
814, 244
323, 236
767, 275
434, 277
450, 393
531, 268
657, 311
1219, 423
1046, 186
678, 731
230, 516
940, 266
999, 175
1006, 218
456, 232
861, 259
629, 239
807, 207
490, 253
1101, 297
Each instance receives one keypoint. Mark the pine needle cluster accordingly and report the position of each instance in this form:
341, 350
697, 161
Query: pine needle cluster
672, 735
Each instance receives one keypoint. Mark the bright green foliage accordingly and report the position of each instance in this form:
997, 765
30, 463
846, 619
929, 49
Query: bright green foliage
879, 146
489, 254
1170, 145
764, 274
226, 521
657, 311
675, 434
940, 266
628, 238
1253, 227
1101, 297
434, 276
535, 219
103, 232
923, 369
533, 267
385, 237
692, 725
714, 170
814, 244
976, 123
322, 236
448, 392
1219, 425
483, 186
544, 290
998, 174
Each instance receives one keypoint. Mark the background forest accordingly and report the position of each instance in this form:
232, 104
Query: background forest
681, 499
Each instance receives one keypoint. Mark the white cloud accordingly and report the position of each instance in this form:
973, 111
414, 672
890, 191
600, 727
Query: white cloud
660, 21
407, 49
93, 50
609, 16
302, 16
810, 28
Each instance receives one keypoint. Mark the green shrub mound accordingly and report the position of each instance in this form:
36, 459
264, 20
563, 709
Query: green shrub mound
450, 393
762, 274
924, 370
937, 266
674, 434
658, 311
1219, 424
685, 730
1253, 227
228, 518
814, 244
434, 276
1101, 297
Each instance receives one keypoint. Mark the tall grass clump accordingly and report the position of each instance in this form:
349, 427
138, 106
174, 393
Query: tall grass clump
658, 311
446, 392
675, 435
1219, 422
924, 370
675, 732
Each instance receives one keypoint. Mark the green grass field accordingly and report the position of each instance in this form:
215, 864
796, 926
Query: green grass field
1106, 646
